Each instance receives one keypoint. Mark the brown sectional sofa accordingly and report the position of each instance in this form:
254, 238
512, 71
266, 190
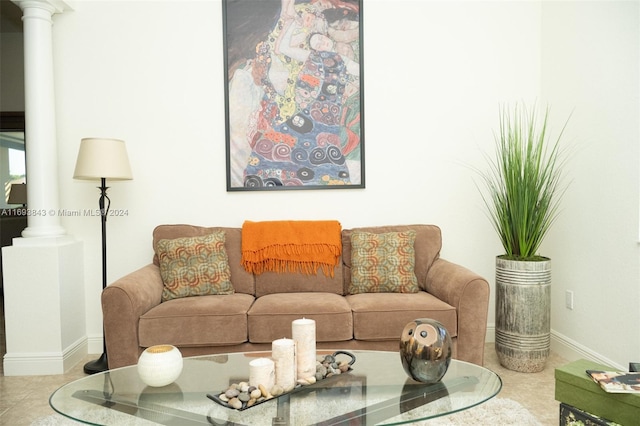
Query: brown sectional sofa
263, 306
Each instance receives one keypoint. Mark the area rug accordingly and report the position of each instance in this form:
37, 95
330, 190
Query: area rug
497, 411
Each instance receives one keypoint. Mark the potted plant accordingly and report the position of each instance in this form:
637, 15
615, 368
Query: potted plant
523, 191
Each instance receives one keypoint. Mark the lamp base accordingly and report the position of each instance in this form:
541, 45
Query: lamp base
98, 366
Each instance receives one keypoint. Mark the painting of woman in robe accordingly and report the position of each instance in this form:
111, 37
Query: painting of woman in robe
293, 94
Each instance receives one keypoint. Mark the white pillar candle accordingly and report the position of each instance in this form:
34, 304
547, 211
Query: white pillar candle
304, 335
283, 354
262, 372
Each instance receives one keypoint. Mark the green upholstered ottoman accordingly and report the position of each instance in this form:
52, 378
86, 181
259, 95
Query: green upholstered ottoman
575, 388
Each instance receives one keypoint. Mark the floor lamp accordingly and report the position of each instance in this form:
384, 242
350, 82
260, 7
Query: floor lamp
102, 159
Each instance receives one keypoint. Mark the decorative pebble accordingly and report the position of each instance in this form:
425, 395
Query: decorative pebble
235, 403
321, 369
242, 395
263, 391
231, 393
277, 390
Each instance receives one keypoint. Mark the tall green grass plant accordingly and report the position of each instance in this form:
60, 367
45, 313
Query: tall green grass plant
524, 181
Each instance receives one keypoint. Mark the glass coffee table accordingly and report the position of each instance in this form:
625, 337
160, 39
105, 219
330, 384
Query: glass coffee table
376, 391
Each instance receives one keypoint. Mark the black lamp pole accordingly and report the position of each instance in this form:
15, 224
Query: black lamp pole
102, 364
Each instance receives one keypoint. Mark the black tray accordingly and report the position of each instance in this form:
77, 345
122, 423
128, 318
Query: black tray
216, 398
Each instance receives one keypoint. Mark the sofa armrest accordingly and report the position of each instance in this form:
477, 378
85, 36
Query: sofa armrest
123, 302
468, 292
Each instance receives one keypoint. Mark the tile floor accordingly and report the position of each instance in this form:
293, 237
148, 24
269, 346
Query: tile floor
25, 399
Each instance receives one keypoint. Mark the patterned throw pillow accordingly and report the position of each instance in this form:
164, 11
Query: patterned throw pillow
194, 266
383, 263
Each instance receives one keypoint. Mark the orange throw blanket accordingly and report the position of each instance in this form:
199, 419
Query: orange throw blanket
291, 246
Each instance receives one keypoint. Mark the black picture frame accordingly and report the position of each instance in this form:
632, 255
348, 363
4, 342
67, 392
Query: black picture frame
294, 105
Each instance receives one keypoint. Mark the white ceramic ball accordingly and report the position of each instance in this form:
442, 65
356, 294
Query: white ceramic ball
160, 365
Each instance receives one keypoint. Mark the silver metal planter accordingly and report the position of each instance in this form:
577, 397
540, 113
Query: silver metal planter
523, 314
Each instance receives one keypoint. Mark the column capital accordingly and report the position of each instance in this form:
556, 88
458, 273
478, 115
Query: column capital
52, 6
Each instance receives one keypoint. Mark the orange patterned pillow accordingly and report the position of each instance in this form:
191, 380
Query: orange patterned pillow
383, 263
194, 266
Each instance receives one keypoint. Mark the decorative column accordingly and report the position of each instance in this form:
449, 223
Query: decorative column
45, 315
40, 117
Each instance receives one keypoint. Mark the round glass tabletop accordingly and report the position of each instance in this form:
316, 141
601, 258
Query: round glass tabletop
376, 391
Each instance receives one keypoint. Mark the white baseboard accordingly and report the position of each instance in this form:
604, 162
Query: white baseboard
572, 351
95, 344
44, 363
490, 337
566, 348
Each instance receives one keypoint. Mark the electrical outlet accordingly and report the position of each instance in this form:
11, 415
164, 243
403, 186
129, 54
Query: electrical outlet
568, 299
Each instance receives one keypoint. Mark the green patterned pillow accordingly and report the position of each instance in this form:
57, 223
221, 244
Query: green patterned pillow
194, 266
383, 263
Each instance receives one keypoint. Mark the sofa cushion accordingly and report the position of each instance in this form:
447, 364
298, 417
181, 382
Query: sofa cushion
383, 316
427, 247
271, 316
194, 266
383, 263
217, 320
242, 281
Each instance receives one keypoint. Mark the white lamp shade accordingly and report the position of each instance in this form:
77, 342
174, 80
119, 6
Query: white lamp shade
102, 158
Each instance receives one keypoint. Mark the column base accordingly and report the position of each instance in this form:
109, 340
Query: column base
45, 315
44, 232
44, 363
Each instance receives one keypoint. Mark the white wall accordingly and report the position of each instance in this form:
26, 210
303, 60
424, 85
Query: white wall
151, 73
591, 60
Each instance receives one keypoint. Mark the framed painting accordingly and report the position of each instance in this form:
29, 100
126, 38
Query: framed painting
293, 94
